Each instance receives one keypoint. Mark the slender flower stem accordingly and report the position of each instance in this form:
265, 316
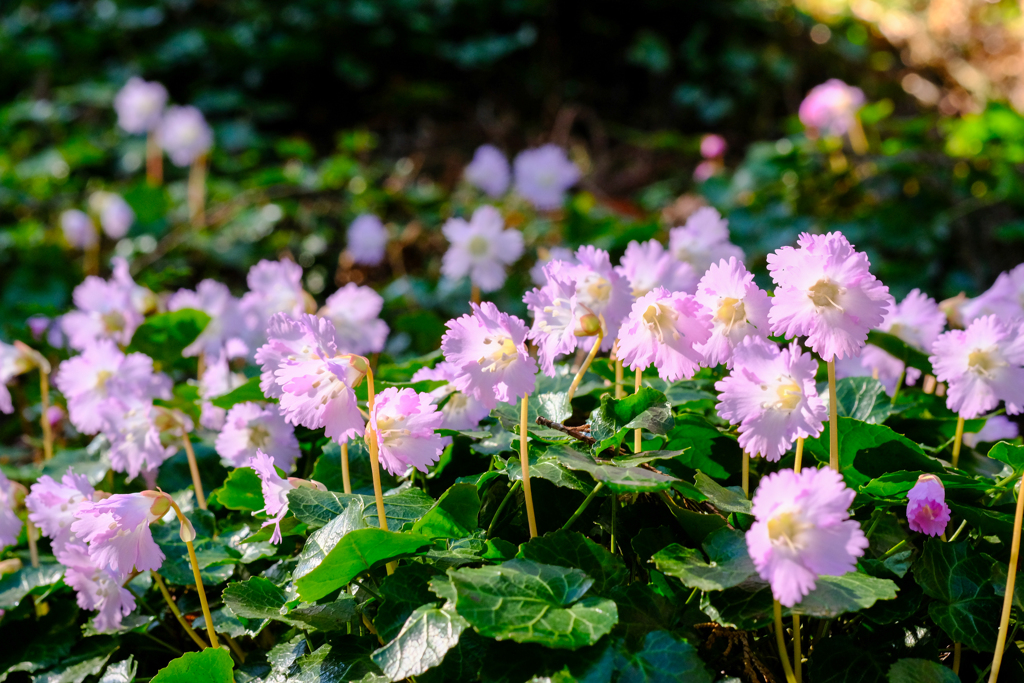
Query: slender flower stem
892, 551
177, 613
33, 549
197, 192
524, 462
154, 161
346, 483
956, 658
781, 641
637, 437
44, 404
833, 419
858, 141
583, 368
620, 390
584, 505
1011, 578
615, 509
797, 654
956, 534
91, 258
745, 467
474, 295
957, 440
371, 444
799, 456
193, 467
239, 652
188, 534
899, 385
501, 508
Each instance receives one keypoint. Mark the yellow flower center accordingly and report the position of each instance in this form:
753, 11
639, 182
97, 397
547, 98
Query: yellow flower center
597, 290
113, 321
825, 294
789, 395
730, 312
784, 528
499, 353
984, 361
479, 246
259, 437
661, 321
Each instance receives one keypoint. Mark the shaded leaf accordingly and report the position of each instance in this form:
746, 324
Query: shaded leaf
852, 592
548, 467
121, 672
726, 500
901, 350
665, 658
36, 580
618, 479
647, 409
210, 666
1011, 454
426, 637
164, 336
729, 563
250, 391
921, 671
241, 491
571, 549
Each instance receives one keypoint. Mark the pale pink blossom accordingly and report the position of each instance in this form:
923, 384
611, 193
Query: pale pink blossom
802, 530
649, 265
274, 287
139, 105
461, 412
665, 329
997, 428
543, 175
98, 588
739, 309
367, 240
105, 309
702, 241
403, 423
78, 229
927, 511
546, 256
184, 134
481, 248
355, 312
229, 327
14, 361
600, 291
712, 146
53, 505
771, 395
555, 316
133, 427
116, 216
831, 107
275, 490
117, 531
250, 428
10, 524
1005, 298
489, 170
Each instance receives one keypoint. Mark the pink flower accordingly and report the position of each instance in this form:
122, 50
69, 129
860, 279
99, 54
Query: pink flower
702, 241
489, 170
826, 292
274, 287
117, 531
982, 365
355, 312
218, 379
275, 492
831, 107
13, 362
543, 174
600, 291
803, 531
1004, 298
133, 427
184, 135
712, 146
79, 230
771, 395
997, 428
229, 327
706, 169
403, 424
52, 506
10, 524
106, 309
251, 428
116, 216
139, 105
648, 265
314, 382
927, 511
664, 329
481, 248
739, 308
461, 412
487, 351
367, 240
546, 256
97, 588
555, 316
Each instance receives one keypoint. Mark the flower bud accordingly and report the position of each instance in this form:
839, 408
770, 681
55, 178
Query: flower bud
927, 511
161, 503
589, 326
306, 484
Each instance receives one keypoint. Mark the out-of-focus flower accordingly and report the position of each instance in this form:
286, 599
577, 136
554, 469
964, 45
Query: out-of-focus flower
826, 291
10, 524
403, 423
218, 379
997, 428
665, 329
355, 312
250, 428
1005, 298
802, 530
461, 412
139, 105
117, 531
367, 240
487, 351
489, 170
97, 587
105, 309
116, 217
184, 135
543, 175
927, 511
771, 395
706, 169
52, 505
546, 256
982, 365
14, 361
133, 426
831, 107
481, 248
649, 265
713, 146
229, 327
739, 309
78, 228
555, 319
274, 287
702, 241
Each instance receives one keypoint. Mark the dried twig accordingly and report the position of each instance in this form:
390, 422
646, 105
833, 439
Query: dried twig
577, 433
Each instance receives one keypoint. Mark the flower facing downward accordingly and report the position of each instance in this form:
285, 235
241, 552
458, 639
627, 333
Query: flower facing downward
134, 427
52, 505
403, 424
366, 240
10, 524
98, 588
664, 329
543, 174
982, 365
14, 360
803, 531
702, 241
487, 351
601, 292
251, 428
1004, 298
185, 135
771, 395
831, 107
739, 308
117, 530
927, 511
489, 170
648, 265
355, 312
460, 410
826, 292
139, 105
481, 248
275, 491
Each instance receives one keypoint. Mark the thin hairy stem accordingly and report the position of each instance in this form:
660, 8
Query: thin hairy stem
524, 462
177, 613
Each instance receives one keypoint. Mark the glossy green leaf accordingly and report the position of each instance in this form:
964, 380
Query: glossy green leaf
250, 391
863, 398
728, 563
616, 478
550, 468
571, 549
666, 659
164, 336
121, 672
426, 637
868, 451
901, 350
255, 598
726, 500
1011, 454
454, 515
241, 491
647, 409
36, 580
852, 592
210, 666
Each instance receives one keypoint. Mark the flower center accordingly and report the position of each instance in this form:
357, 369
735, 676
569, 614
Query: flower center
730, 312
594, 292
259, 437
499, 352
784, 528
825, 293
113, 321
661, 321
479, 246
789, 395
386, 427
457, 402
101, 378
984, 361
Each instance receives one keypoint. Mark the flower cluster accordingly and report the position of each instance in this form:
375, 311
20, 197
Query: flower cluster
541, 175
181, 131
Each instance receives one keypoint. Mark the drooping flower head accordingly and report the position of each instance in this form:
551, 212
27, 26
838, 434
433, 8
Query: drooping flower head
355, 312
831, 107
275, 491
489, 170
184, 135
15, 360
302, 367
251, 428
702, 241
116, 216
106, 309
461, 411
649, 265
927, 511
543, 175
10, 524
366, 240
487, 352
1004, 298
53, 505
665, 329
139, 105
403, 423
771, 395
739, 309
997, 428
826, 292
713, 146
228, 328
600, 291
117, 531
481, 248
78, 228
802, 531
98, 588
982, 365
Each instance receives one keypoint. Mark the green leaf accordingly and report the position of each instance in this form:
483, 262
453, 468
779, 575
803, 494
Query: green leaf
646, 409
897, 484
958, 579
121, 672
357, 552
547, 467
241, 491
250, 391
164, 336
1011, 454
209, 666
852, 592
726, 500
330, 617
508, 416
35, 580
901, 350
454, 515
255, 598
868, 451
863, 398
185, 397
571, 549
921, 671
403, 592
701, 447
641, 610
314, 507
666, 660
323, 540
87, 659
618, 479
729, 562
426, 637
745, 607
532, 603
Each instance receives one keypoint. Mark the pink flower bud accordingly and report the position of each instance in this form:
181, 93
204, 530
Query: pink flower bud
927, 511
